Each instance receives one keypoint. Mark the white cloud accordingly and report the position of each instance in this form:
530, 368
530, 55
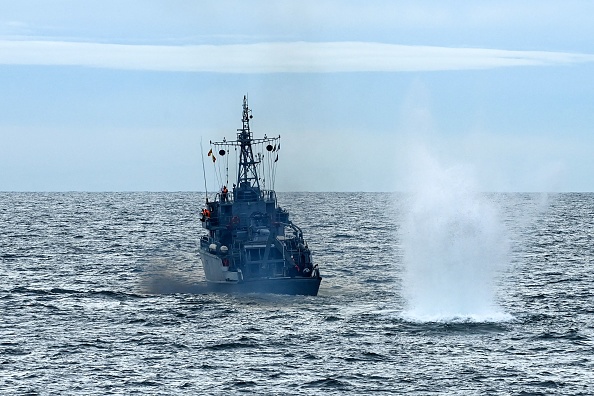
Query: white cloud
276, 57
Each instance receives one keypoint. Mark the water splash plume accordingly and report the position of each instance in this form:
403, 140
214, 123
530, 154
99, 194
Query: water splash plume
453, 244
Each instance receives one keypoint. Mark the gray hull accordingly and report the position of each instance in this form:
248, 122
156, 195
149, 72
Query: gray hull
291, 286
220, 279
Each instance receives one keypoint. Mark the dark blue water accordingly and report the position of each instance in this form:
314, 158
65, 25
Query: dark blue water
102, 293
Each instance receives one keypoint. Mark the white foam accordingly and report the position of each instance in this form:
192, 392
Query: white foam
422, 317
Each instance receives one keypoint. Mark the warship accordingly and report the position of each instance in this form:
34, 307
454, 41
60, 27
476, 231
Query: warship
252, 246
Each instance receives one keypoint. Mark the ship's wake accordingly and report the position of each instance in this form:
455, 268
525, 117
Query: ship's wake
453, 245
164, 276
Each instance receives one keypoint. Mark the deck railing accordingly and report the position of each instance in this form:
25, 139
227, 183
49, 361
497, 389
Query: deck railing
265, 195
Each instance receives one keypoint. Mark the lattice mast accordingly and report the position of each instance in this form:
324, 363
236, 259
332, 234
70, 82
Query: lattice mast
247, 172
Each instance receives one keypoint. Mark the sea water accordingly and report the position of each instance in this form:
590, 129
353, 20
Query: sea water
101, 293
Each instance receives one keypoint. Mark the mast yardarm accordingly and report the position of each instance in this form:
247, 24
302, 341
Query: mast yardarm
248, 171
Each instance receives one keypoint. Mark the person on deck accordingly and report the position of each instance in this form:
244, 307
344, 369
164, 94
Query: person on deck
224, 193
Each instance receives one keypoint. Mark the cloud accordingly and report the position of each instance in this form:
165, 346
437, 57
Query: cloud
276, 57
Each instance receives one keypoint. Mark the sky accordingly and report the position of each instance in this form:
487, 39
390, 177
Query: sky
118, 95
